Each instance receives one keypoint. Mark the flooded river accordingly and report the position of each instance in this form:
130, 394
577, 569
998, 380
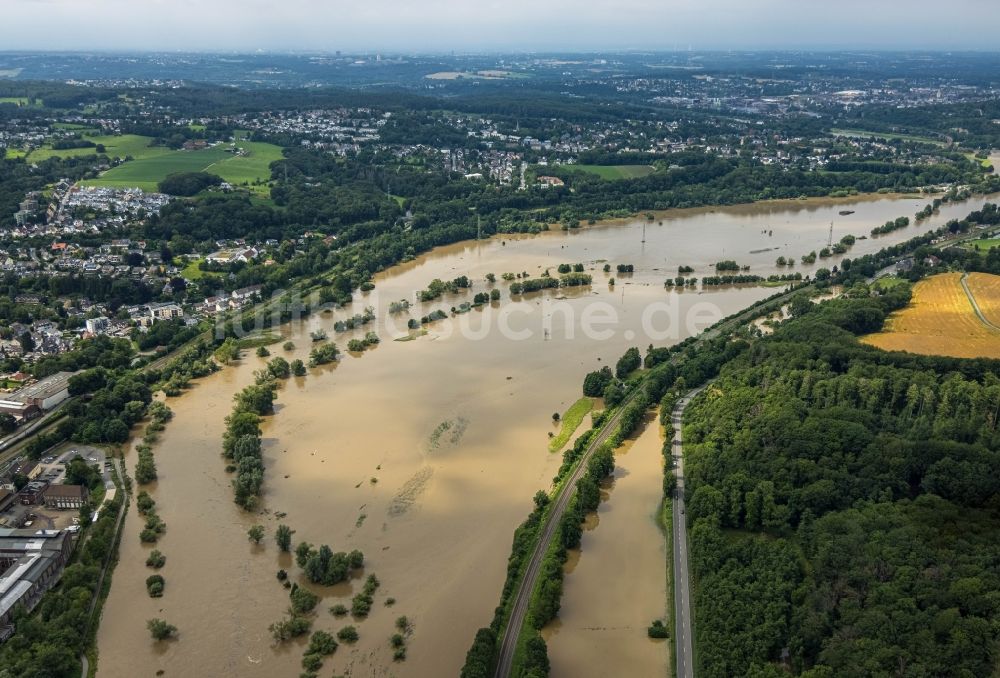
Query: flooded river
616, 583
425, 454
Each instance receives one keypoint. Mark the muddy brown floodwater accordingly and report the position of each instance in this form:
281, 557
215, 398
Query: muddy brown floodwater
425, 454
615, 583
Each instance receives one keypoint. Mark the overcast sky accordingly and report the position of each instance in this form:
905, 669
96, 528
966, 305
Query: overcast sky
491, 25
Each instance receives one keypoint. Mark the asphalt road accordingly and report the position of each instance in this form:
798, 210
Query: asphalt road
683, 639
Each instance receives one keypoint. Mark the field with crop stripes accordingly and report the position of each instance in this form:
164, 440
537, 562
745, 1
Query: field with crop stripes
986, 289
941, 321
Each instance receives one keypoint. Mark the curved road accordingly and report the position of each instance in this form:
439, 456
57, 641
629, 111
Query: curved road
683, 639
975, 305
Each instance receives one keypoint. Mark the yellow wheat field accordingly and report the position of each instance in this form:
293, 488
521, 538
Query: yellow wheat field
940, 319
986, 289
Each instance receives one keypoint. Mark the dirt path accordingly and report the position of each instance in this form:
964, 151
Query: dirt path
975, 306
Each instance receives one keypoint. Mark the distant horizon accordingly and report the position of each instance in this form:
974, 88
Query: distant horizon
499, 52
492, 26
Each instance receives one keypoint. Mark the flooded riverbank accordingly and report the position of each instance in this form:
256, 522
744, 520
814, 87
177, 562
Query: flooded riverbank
425, 454
616, 583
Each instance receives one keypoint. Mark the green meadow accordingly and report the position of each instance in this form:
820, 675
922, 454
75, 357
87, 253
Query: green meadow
613, 172
252, 169
570, 422
985, 162
191, 270
984, 245
114, 146
889, 282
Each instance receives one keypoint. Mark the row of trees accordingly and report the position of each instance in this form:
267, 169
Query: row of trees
241, 442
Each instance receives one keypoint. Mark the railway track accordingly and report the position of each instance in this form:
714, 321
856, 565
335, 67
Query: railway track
522, 598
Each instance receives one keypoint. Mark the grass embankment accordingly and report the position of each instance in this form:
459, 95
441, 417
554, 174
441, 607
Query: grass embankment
258, 340
984, 245
571, 421
613, 172
889, 136
252, 167
123, 486
666, 524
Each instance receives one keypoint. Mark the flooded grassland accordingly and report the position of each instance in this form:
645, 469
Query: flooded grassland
425, 454
616, 583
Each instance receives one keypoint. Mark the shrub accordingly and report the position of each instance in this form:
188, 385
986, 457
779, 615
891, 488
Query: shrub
657, 630
322, 643
290, 627
361, 605
154, 585
155, 560
348, 634
256, 533
283, 537
303, 600
160, 630
312, 662
144, 502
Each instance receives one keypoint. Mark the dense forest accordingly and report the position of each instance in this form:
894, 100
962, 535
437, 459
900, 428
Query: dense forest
843, 504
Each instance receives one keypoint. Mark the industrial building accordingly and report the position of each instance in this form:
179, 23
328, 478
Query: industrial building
65, 496
44, 394
31, 563
21, 412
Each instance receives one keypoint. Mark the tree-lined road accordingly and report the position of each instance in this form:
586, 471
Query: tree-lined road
683, 640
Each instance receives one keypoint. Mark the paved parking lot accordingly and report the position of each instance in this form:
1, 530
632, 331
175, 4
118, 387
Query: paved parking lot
54, 465
53, 470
